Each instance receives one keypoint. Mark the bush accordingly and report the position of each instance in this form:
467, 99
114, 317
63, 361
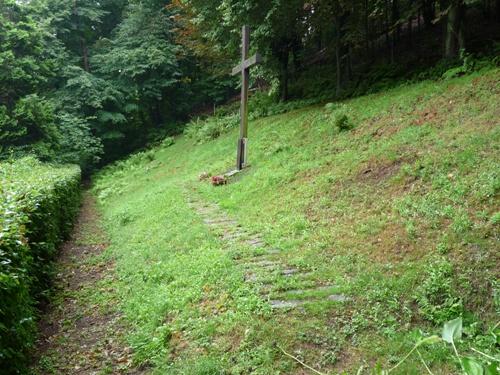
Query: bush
38, 203
167, 142
211, 128
342, 122
339, 116
29, 127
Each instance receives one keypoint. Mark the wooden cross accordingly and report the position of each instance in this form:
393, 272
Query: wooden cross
244, 68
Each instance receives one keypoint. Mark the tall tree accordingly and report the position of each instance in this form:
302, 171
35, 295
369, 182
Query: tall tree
455, 28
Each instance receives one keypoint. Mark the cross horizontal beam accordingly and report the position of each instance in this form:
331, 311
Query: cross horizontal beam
254, 60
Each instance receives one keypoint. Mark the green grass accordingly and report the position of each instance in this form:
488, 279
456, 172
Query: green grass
400, 214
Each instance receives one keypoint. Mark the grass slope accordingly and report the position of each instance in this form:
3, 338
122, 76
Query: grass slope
400, 214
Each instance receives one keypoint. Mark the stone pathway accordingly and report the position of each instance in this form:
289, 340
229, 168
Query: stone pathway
262, 265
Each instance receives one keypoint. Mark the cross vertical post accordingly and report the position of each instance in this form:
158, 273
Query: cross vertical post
244, 68
245, 77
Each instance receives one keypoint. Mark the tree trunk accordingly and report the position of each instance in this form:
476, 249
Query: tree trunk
158, 114
386, 15
85, 55
487, 9
395, 20
366, 26
284, 77
419, 15
349, 63
339, 69
410, 31
428, 12
455, 38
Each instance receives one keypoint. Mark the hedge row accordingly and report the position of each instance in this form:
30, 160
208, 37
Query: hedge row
38, 204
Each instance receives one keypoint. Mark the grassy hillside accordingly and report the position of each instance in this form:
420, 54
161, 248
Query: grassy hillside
397, 217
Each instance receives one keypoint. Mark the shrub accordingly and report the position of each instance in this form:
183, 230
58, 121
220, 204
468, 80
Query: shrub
342, 122
339, 116
167, 142
38, 203
211, 128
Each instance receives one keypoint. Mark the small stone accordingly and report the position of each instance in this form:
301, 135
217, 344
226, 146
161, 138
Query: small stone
273, 251
251, 277
289, 272
316, 289
280, 304
338, 298
263, 263
255, 242
232, 236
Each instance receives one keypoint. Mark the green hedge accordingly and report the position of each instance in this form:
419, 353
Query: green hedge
38, 204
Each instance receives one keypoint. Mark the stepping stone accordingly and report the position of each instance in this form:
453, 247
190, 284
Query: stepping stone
204, 212
296, 273
255, 242
264, 253
251, 277
262, 263
313, 289
273, 251
289, 272
233, 236
219, 221
280, 304
267, 267
338, 298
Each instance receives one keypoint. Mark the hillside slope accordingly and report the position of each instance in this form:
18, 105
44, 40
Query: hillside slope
374, 235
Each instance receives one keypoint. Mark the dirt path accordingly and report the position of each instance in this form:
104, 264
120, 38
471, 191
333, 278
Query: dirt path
81, 331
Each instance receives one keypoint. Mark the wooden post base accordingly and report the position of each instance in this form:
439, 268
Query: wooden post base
241, 158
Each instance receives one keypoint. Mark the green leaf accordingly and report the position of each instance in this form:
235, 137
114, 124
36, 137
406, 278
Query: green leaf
428, 341
378, 370
452, 330
496, 334
492, 369
472, 367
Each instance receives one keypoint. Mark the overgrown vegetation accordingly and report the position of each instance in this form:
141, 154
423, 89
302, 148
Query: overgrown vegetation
88, 82
390, 198
379, 79
38, 203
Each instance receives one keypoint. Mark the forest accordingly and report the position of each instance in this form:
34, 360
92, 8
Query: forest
88, 82
361, 238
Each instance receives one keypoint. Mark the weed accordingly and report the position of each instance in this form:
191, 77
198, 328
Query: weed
435, 297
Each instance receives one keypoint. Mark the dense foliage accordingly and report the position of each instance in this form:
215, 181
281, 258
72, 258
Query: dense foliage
89, 81
38, 203
342, 38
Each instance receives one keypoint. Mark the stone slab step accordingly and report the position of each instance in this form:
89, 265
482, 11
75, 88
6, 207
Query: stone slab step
291, 303
282, 304
219, 221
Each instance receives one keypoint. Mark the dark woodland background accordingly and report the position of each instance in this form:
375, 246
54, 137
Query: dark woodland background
88, 82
